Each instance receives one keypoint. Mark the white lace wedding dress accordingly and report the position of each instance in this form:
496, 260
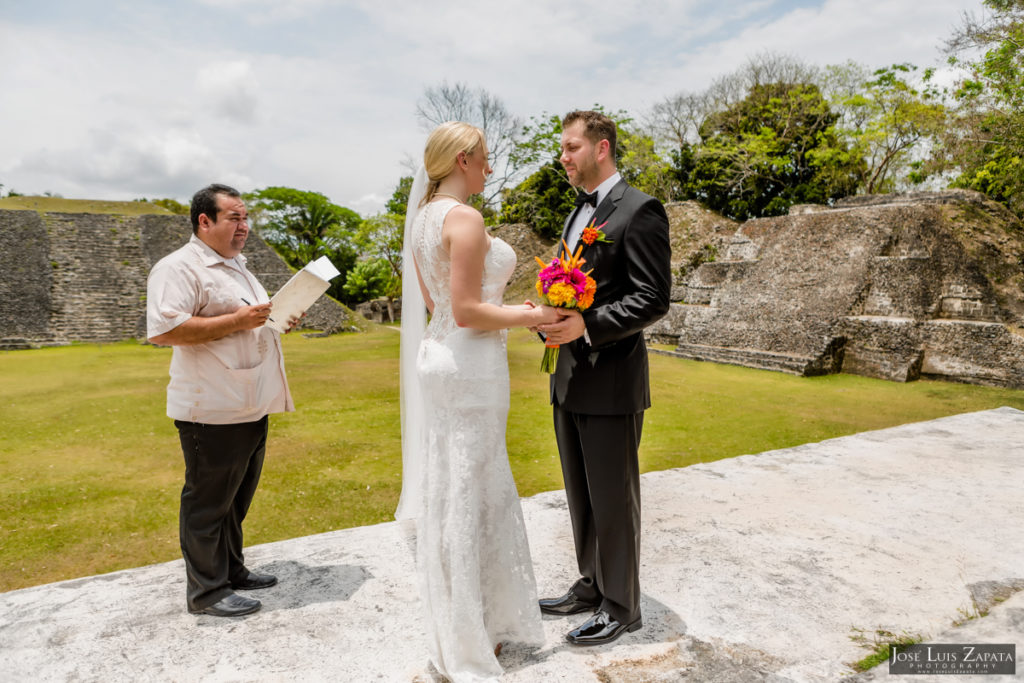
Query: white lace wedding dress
475, 573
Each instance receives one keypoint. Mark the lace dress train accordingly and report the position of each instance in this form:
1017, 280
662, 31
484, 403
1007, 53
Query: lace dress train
472, 556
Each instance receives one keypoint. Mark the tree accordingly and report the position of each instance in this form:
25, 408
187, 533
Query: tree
887, 121
542, 201
303, 225
400, 197
676, 120
460, 102
172, 205
775, 148
986, 142
380, 238
642, 167
368, 280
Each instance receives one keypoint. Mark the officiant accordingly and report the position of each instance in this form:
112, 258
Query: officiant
227, 375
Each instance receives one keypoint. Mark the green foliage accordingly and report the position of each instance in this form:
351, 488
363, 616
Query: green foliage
642, 167
775, 148
880, 643
540, 142
986, 142
303, 226
172, 205
543, 201
886, 120
998, 177
369, 279
380, 238
400, 197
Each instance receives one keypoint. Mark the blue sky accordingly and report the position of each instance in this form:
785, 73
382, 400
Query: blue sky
117, 100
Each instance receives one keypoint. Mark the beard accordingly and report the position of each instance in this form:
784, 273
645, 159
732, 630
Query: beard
586, 171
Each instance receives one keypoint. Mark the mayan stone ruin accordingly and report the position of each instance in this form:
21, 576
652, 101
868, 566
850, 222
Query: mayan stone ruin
927, 284
82, 277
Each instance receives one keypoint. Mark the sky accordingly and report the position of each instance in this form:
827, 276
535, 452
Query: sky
122, 99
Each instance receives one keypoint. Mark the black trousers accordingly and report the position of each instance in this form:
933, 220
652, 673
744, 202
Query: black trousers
222, 469
602, 484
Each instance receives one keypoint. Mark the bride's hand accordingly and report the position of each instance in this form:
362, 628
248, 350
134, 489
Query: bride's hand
548, 314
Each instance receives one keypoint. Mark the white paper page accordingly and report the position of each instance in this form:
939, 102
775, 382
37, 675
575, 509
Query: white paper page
292, 300
323, 268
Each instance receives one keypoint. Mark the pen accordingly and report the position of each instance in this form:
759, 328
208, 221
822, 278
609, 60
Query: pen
246, 302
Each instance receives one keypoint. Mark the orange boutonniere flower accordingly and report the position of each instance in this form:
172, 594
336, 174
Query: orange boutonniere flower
593, 234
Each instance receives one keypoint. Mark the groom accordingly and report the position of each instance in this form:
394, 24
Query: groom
600, 388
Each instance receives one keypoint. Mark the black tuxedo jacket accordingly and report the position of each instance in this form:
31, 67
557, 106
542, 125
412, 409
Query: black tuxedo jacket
609, 376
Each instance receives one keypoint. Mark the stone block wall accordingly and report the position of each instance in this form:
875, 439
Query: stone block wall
898, 287
82, 277
25, 279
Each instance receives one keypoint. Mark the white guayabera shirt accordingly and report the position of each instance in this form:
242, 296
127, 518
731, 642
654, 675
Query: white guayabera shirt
234, 379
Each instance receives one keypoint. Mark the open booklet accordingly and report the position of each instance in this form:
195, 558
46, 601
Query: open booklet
299, 293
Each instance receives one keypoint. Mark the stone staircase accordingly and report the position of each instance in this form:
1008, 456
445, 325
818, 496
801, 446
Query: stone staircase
751, 358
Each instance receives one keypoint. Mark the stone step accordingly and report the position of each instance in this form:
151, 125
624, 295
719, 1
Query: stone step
14, 344
752, 358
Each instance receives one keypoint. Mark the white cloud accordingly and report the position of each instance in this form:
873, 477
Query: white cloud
231, 88
321, 94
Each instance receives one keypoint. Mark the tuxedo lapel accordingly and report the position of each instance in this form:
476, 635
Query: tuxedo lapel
610, 203
607, 207
603, 211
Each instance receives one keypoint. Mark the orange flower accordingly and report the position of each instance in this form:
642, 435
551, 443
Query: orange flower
593, 234
587, 300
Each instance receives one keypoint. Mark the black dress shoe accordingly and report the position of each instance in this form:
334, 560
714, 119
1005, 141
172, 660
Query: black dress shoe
570, 603
254, 581
233, 605
599, 629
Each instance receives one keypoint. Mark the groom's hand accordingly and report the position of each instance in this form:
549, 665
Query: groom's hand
565, 330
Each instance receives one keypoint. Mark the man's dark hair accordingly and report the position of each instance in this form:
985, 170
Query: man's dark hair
205, 201
596, 127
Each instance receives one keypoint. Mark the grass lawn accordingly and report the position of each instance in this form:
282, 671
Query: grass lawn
61, 205
91, 467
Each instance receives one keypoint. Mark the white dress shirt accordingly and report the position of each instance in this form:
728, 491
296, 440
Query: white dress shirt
586, 212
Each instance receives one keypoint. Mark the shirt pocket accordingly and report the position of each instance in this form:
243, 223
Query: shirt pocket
228, 389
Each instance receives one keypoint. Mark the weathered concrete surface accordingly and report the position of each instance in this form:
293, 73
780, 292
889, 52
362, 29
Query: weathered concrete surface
754, 569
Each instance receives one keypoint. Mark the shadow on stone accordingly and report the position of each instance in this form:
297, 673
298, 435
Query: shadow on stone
661, 625
300, 584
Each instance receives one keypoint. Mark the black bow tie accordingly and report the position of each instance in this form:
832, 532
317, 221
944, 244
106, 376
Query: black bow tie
584, 198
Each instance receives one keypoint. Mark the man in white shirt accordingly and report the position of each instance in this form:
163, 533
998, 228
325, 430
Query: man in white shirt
227, 375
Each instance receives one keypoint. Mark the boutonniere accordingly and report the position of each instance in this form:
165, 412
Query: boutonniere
593, 233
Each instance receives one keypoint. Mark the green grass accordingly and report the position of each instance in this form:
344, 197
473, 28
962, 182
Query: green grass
62, 205
90, 467
880, 644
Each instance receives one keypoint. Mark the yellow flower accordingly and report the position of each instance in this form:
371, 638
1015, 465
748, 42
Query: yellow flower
561, 294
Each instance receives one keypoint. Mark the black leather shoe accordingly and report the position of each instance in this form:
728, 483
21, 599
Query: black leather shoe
569, 603
233, 605
254, 581
600, 629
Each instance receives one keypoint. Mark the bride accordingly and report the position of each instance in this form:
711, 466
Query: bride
473, 563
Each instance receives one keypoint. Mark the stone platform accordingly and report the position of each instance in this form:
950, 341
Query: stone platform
756, 568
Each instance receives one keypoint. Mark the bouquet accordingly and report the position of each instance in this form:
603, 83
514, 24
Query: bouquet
562, 284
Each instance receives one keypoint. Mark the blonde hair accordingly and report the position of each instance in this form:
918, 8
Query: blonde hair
443, 147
